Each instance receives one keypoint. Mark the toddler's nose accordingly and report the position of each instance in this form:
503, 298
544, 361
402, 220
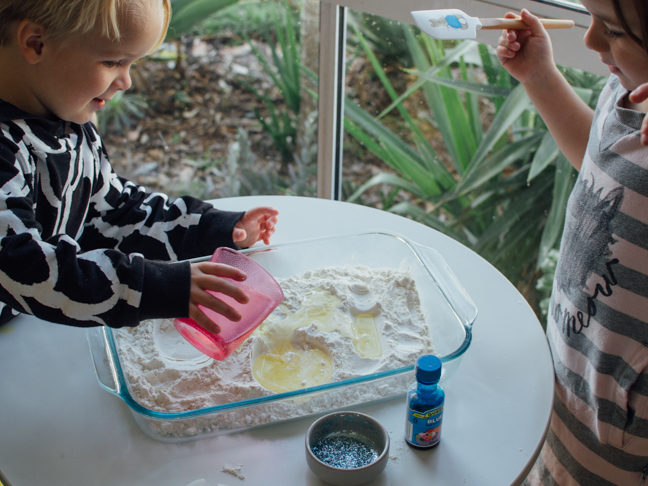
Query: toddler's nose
123, 81
595, 38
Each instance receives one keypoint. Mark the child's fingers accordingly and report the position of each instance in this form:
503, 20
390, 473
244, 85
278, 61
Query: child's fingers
639, 94
206, 276
217, 305
270, 224
267, 232
226, 287
217, 270
510, 35
643, 134
507, 46
239, 235
508, 43
535, 26
508, 49
260, 212
202, 320
255, 222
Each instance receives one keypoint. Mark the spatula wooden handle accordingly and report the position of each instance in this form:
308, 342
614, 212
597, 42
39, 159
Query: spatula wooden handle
517, 24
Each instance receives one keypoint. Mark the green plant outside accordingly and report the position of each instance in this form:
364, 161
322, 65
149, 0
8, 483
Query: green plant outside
506, 191
120, 111
284, 68
275, 21
187, 14
251, 17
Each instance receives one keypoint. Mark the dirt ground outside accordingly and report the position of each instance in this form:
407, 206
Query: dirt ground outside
195, 113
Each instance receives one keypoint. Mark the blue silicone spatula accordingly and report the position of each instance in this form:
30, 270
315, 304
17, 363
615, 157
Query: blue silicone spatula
452, 23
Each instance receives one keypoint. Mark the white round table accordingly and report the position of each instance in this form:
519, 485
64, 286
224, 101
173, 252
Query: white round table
58, 427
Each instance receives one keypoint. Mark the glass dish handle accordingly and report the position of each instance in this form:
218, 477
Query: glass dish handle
448, 283
99, 350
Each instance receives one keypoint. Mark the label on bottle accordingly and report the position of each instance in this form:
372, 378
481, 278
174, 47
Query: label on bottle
423, 429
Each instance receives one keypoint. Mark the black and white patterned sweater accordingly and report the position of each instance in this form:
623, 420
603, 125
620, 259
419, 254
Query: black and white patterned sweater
80, 245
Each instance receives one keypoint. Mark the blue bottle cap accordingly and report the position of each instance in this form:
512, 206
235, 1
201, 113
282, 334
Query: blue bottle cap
428, 369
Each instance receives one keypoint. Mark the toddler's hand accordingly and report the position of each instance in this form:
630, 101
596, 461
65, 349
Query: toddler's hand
639, 95
206, 276
255, 225
525, 53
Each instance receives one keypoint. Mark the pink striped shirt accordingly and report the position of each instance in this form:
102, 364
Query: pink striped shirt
598, 323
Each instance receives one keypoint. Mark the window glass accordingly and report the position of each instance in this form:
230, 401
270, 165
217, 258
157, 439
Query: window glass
437, 131
223, 108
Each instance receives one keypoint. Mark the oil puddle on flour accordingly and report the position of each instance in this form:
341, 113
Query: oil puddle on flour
280, 366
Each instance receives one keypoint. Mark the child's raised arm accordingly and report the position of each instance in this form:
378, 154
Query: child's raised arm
528, 56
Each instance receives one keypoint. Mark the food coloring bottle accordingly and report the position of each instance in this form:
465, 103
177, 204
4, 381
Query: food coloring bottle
425, 404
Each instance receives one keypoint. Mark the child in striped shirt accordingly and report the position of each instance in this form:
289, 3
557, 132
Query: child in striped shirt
598, 318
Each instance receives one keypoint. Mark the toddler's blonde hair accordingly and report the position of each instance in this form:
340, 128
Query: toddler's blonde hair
66, 18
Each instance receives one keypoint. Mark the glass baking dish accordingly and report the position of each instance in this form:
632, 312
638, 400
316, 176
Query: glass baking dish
449, 311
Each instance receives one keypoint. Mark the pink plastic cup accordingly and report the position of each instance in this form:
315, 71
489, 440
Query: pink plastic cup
265, 295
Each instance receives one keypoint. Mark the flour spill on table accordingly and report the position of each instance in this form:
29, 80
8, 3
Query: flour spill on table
166, 374
234, 470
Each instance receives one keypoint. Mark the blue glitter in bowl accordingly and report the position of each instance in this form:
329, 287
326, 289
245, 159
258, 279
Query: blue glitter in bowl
344, 452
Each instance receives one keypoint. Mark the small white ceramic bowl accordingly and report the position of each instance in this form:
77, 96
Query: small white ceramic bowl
347, 425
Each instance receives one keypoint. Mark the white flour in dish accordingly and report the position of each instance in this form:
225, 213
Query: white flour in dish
166, 374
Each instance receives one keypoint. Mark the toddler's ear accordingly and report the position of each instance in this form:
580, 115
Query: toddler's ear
30, 40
